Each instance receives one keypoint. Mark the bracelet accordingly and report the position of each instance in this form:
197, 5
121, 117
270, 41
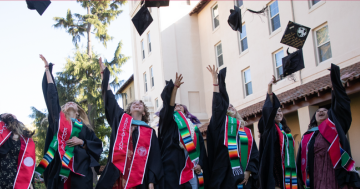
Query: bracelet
102, 72
177, 86
216, 84
46, 66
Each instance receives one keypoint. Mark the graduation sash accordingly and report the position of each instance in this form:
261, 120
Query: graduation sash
288, 158
191, 146
66, 130
246, 142
230, 141
336, 152
141, 152
26, 158
304, 158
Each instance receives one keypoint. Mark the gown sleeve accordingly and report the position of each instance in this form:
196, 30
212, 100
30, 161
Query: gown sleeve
112, 108
156, 173
253, 164
167, 112
202, 150
269, 112
94, 148
340, 102
220, 101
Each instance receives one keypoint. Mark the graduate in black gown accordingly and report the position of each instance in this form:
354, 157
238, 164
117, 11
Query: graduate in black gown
316, 169
119, 120
222, 172
173, 153
87, 148
277, 157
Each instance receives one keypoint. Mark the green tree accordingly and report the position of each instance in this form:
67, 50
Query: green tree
41, 124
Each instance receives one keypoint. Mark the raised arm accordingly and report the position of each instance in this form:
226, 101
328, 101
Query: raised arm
340, 102
112, 108
168, 96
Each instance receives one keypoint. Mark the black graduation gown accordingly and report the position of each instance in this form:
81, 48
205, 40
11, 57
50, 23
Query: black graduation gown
154, 172
269, 143
221, 175
84, 158
173, 157
340, 115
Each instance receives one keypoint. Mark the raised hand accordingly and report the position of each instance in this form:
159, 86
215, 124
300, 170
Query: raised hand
43, 59
178, 80
213, 71
273, 80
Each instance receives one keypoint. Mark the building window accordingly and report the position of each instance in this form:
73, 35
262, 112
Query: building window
247, 82
142, 49
152, 77
243, 39
313, 2
215, 15
239, 3
126, 100
145, 83
323, 44
274, 16
219, 55
156, 103
130, 92
149, 42
278, 64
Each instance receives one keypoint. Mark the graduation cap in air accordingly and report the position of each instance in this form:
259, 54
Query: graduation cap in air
293, 62
295, 35
152, 3
39, 5
142, 20
235, 19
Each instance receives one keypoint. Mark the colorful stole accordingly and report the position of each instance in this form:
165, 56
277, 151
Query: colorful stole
141, 152
26, 158
66, 131
288, 158
336, 152
304, 158
230, 141
246, 142
192, 147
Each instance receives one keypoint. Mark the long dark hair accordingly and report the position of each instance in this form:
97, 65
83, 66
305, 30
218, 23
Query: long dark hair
16, 126
192, 118
285, 127
313, 122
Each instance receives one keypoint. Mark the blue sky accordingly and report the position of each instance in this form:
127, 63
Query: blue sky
24, 34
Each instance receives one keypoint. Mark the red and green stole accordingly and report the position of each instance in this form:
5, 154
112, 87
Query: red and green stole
141, 152
230, 141
337, 154
66, 130
191, 146
287, 145
26, 158
246, 143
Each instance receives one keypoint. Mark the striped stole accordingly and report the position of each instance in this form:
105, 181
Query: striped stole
230, 141
246, 143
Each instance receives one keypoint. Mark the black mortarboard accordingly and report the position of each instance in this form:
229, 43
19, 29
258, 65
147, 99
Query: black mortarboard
142, 20
235, 19
295, 35
293, 62
153, 3
38, 5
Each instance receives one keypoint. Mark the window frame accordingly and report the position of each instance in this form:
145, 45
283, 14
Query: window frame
274, 64
145, 82
240, 40
270, 18
142, 49
217, 56
213, 16
312, 4
149, 42
319, 45
244, 82
152, 77
130, 92
156, 103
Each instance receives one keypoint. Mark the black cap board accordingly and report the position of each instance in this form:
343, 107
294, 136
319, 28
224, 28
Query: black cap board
234, 19
142, 20
152, 3
295, 35
39, 5
293, 62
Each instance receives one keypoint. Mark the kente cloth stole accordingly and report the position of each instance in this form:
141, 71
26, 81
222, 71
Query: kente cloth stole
192, 147
304, 158
246, 142
26, 158
141, 151
230, 141
288, 158
66, 130
336, 152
